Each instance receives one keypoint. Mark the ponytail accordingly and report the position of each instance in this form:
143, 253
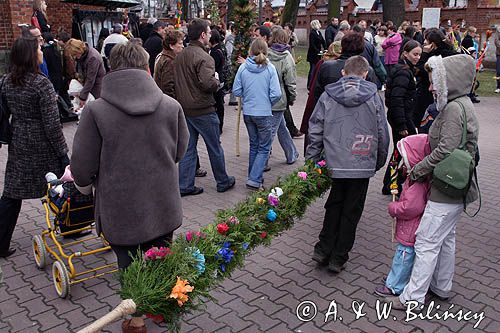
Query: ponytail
258, 49
261, 59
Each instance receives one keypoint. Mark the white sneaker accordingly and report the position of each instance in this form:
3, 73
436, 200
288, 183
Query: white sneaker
497, 90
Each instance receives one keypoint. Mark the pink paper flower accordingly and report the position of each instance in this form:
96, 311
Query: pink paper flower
234, 220
200, 234
189, 235
273, 200
157, 253
322, 163
263, 234
302, 175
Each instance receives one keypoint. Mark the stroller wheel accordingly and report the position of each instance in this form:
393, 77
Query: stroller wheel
39, 252
61, 279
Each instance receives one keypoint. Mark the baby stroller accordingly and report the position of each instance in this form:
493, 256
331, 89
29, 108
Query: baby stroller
67, 213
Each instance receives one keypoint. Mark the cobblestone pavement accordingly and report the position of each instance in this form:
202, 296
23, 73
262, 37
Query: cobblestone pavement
263, 296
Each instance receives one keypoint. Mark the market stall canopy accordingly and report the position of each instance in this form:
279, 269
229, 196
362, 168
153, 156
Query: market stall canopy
110, 4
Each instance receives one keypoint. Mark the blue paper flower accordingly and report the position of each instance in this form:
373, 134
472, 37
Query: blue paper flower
226, 254
245, 246
200, 260
271, 215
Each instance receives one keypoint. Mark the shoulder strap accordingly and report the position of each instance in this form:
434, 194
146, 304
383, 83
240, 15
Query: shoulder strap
464, 129
479, 193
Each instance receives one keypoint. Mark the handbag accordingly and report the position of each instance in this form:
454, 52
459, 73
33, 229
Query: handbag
452, 176
5, 129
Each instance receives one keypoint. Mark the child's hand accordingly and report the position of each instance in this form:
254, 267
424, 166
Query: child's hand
391, 208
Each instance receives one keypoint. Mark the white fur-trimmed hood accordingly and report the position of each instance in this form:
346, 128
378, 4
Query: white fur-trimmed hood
452, 77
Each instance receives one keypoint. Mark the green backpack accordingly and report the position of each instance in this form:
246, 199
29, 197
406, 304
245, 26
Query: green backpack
452, 176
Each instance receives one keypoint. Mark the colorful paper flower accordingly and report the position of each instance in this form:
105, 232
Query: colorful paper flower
263, 234
199, 258
234, 220
226, 254
200, 234
277, 191
157, 253
156, 318
322, 163
189, 236
180, 290
244, 246
271, 215
273, 200
222, 228
302, 174
319, 171
260, 201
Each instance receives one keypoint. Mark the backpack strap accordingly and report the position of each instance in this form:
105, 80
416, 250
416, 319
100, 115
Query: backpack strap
462, 146
464, 128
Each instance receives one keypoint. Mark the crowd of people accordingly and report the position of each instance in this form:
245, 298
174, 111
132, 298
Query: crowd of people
140, 141
428, 77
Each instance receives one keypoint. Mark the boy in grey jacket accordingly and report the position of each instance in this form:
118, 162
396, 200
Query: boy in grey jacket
349, 127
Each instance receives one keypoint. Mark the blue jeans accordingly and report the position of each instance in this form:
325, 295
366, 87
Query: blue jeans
498, 71
207, 126
284, 137
402, 264
260, 137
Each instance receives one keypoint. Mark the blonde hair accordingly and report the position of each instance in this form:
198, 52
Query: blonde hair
279, 36
259, 50
334, 51
75, 46
315, 24
37, 5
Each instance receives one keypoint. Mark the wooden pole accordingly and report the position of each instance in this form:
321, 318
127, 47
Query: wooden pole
238, 120
126, 307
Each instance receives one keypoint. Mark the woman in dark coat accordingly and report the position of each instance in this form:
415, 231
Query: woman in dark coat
316, 44
127, 146
38, 145
89, 66
400, 99
219, 55
435, 44
164, 67
39, 18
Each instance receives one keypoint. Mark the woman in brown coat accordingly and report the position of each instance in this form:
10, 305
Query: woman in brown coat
127, 145
89, 67
38, 145
164, 67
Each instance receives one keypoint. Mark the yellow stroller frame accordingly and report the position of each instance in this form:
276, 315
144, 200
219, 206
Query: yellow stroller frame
62, 277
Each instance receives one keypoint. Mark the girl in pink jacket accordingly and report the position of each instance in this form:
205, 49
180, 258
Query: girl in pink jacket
391, 45
408, 212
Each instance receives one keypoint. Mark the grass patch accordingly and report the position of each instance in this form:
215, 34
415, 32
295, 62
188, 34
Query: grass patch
302, 65
486, 78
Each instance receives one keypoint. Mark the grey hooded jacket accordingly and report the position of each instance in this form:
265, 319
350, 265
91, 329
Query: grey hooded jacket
349, 127
452, 79
285, 66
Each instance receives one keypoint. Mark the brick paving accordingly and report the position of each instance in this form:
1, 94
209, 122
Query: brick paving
264, 295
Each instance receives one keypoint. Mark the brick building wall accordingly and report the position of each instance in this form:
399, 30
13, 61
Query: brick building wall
480, 13
14, 12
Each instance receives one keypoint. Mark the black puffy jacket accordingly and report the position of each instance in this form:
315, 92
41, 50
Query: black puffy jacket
400, 97
424, 96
